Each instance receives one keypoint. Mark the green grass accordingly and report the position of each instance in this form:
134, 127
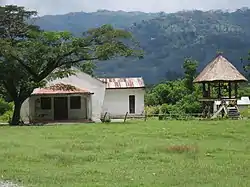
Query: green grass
133, 154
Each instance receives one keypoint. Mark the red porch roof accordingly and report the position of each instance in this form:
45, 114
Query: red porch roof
60, 88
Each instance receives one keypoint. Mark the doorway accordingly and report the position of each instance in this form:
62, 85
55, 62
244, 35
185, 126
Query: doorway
60, 108
132, 104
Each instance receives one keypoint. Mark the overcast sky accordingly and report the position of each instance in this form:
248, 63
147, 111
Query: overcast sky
65, 6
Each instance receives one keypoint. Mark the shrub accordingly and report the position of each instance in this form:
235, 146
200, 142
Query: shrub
152, 110
6, 117
5, 106
164, 109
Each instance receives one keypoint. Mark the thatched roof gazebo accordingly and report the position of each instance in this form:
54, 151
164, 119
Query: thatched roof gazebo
218, 78
220, 69
220, 72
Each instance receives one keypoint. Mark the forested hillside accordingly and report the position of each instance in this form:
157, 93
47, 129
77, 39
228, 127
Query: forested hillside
166, 38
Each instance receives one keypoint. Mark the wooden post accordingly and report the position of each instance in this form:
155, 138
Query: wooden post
125, 118
209, 90
219, 91
204, 90
145, 117
229, 90
104, 117
236, 90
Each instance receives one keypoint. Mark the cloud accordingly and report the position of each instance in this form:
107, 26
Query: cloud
66, 6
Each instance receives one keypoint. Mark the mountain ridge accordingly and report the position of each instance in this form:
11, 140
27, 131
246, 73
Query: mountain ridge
166, 38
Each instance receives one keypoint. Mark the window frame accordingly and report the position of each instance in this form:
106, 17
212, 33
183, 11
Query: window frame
46, 106
75, 102
132, 108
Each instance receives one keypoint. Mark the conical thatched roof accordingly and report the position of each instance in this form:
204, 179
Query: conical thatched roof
220, 69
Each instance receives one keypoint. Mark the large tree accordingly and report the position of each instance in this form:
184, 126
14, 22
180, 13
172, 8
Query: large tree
30, 57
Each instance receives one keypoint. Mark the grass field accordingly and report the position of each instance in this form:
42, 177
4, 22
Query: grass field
152, 153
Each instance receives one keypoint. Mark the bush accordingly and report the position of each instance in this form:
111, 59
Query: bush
152, 110
190, 104
5, 106
164, 109
6, 117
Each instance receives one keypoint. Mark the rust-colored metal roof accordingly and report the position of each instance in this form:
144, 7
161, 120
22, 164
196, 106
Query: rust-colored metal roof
59, 88
122, 83
220, 69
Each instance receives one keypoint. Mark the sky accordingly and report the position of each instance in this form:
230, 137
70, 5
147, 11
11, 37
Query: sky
53, 7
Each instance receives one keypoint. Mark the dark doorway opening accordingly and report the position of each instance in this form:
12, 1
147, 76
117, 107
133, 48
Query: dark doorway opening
60, 108
131, 104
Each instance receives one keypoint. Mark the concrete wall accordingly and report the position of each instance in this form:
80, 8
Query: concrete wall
25, 110
83, 81
116, 101
37, 114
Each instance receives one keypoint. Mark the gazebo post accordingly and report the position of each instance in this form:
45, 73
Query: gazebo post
229, 90
219, 91
209, 90
204, 89
236, 90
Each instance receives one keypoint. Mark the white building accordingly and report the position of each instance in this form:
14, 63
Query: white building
124, 95
243, 103
81, 97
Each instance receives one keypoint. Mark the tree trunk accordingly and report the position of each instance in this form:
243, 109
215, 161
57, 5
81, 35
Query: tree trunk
15, 121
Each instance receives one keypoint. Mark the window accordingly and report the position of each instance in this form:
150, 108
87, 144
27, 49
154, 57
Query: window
75, 102
45, 103
131, 104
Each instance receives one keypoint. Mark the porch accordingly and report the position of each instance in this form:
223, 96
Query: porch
64, 106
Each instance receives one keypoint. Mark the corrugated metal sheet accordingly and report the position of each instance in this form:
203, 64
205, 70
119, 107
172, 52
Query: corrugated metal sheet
59, 89
121, 83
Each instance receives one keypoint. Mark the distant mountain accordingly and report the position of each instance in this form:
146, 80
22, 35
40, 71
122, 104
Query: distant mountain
78, 22
167, 39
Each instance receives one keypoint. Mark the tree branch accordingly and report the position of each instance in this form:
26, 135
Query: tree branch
28, 69
49, 69
10, 88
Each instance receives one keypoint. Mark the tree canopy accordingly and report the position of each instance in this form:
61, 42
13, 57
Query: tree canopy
30, 57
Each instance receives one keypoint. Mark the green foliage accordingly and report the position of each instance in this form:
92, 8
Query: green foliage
6, 117
189, 104
190, 70
169, 92
6, 110
244, 90
5, 106
152, 110
177, 97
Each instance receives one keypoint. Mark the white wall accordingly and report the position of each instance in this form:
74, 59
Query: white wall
25, 110
116, 101
82, 81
